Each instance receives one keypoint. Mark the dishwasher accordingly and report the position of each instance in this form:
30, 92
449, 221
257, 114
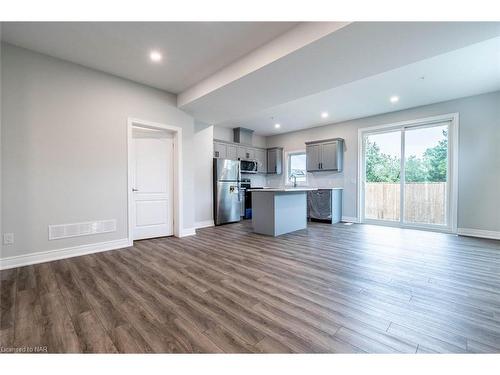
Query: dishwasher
325, 205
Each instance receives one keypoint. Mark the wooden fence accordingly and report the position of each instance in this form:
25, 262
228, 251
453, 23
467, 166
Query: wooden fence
425, 202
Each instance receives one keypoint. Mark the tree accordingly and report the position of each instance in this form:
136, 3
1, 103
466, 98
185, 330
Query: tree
436, 160
380, 167
432, 167
415, 170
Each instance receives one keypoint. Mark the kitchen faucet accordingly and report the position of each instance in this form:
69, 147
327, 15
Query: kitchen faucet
294, 180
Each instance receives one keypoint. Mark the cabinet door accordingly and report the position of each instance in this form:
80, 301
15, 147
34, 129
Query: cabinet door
261, 157
279, 161
220, 150
329, 160
232, 152
242, 152
271, 161
313, 158
250, 153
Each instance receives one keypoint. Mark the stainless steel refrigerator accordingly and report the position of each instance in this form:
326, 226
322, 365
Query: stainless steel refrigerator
227, 205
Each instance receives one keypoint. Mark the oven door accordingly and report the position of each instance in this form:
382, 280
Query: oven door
248, 166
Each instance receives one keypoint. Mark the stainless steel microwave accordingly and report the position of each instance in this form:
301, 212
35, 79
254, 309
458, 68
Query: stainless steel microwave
248, 166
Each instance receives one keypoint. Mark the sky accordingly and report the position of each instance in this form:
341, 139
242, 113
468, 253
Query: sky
416, 140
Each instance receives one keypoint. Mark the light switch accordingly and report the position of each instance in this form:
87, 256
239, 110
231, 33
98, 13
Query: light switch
8, 238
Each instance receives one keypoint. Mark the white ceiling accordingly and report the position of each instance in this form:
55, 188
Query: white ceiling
353, 53
192, 50
242, 74
464, 72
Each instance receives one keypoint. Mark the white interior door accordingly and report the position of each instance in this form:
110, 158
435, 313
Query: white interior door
152, 185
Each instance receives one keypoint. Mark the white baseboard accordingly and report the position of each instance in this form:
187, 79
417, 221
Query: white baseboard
69, 252
187, 232
479, 233
204, 224
350, 219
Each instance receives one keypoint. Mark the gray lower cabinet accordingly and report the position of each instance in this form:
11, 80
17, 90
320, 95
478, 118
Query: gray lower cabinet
325, 205
327, 155
275, 160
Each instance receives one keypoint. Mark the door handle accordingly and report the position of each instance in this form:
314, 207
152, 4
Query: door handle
134, 189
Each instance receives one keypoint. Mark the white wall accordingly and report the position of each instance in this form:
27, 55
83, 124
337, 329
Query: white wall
64, 148
203, 149
1, 226
479, 156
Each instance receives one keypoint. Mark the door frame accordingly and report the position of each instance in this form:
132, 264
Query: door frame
177, 172
453, 129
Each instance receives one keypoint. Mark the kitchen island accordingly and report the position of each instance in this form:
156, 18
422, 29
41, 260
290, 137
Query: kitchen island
277, 211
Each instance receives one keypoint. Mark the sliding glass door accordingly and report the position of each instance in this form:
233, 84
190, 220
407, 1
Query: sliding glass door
405, 174
383, 176
426, 175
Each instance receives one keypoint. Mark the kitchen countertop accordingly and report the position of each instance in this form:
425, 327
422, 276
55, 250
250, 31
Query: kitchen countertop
330, 188
283, 189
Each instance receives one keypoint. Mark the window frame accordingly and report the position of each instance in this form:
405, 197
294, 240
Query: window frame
289, 155
452, 188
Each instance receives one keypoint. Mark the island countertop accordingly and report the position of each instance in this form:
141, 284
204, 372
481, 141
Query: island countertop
283, 190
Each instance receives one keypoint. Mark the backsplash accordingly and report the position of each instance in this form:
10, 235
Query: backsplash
320, 179
257, 180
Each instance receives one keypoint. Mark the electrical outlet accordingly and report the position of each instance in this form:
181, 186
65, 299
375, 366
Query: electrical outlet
8, 238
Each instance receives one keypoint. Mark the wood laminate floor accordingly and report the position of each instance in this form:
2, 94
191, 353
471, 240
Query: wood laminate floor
327, 289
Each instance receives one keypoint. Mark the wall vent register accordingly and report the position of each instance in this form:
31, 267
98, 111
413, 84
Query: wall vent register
81, 229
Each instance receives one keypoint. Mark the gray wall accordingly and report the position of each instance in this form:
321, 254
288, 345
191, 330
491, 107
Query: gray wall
64, 147
479, 155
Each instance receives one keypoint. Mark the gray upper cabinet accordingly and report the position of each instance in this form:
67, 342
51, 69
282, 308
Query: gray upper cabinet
232, 152
242, 151
326, 155
235, 151
246, 153
220, 150
275, 160
250, 153
313, 157
329, 156
261, 157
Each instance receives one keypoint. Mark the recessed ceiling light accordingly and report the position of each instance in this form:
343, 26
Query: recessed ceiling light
324, 114
155, 56
394, 99
277, 126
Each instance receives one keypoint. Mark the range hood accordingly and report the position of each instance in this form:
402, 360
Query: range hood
243, 136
